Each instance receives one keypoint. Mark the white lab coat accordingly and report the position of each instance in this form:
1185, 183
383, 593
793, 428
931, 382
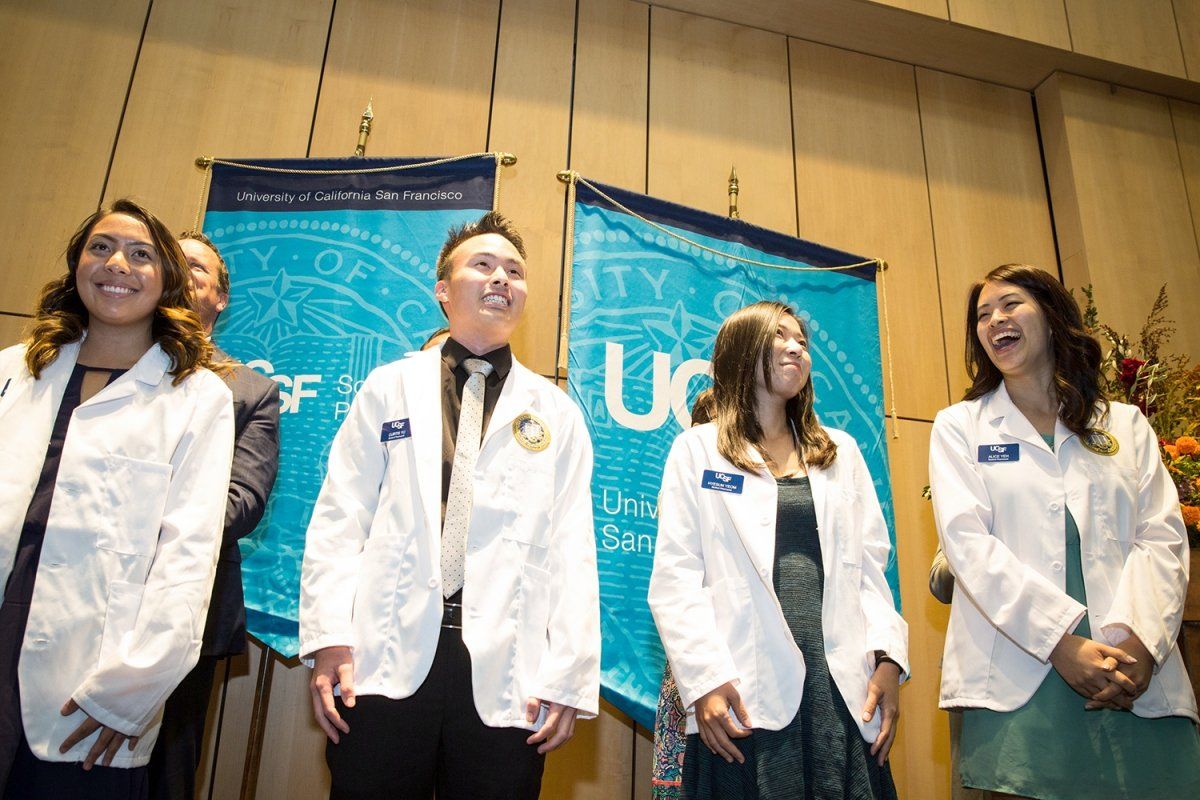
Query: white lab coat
131, 544
1003, 526
372, 574
712, 593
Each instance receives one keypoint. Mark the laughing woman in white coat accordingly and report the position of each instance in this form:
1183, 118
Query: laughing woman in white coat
116, 444
1063, 531
768, 587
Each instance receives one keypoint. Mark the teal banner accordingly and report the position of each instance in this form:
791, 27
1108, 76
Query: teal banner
332, 270
651, 283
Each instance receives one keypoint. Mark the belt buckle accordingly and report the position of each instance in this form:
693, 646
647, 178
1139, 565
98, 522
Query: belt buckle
451, 615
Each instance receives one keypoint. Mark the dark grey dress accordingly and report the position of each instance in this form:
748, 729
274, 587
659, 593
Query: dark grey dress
820, 754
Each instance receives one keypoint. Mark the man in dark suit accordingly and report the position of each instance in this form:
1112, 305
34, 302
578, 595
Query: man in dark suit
255, 460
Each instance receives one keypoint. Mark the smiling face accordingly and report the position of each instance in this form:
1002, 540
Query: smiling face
1012, 330
205, 267
119, 275
483, 292
789, 359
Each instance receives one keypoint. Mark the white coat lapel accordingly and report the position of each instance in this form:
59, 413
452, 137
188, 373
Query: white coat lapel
514, 399
150, 369
752, 511
825, 508
1008, 420
422, 385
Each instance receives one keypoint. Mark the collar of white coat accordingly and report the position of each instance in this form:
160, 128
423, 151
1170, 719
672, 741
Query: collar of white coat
754, 509
150, 369
1002, 413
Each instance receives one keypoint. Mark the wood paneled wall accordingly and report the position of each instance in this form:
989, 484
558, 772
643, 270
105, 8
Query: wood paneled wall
938, 174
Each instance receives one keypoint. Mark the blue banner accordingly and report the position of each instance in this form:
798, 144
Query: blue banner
332, 269
651, 283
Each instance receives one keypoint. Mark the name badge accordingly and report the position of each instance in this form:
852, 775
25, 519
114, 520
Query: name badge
722, 481
396, 429
999, 453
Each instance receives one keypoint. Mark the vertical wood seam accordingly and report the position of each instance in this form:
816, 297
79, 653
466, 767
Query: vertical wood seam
137, 56
563, 289
1037, 130
1182, 171
787, 40
933, 236
649, 87
1070, 38
1179, 38
487, 137
320, 80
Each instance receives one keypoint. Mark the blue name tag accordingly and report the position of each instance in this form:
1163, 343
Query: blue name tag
998, 453
722, 481
396, 429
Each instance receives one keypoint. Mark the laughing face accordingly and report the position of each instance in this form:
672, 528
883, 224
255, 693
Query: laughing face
791, 363
483, 292
119, 276
1012, 330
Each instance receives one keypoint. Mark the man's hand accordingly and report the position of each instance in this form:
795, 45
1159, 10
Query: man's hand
1140, 672
1090, 667
883, 694
332, 666
107, 743
716, 728
558, 728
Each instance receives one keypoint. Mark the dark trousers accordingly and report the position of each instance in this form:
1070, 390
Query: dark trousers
176, 754
433, 741
34, 779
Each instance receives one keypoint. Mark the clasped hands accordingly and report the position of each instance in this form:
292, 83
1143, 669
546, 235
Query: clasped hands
334, 666
1110, 677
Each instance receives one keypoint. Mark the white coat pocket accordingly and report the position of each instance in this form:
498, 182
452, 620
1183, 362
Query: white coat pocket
529, 498
137, 494
534, 616
120, 615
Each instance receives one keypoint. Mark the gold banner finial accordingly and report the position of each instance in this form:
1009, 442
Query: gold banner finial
364, 129
507, 159
204, 162
733, 194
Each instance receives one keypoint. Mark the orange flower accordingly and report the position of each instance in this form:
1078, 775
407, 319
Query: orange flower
1171, 450
1191, 516
1186, 445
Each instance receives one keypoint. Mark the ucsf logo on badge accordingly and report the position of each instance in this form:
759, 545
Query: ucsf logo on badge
997, 453
396, 429
722, 481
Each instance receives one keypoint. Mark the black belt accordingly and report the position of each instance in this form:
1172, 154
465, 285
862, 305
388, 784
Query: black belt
451, 615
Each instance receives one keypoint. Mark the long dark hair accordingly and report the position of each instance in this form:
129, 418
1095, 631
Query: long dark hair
61, 316
1076, 355
743, 346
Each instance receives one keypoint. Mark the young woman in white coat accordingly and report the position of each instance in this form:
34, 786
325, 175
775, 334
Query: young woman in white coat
116, 448
768, 587
1063, 531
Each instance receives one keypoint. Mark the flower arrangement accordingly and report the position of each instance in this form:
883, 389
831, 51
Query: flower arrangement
1165, 388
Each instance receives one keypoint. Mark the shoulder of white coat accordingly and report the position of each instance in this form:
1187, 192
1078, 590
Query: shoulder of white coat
203, 384
547, 392
841, 438
960, 415
11, 357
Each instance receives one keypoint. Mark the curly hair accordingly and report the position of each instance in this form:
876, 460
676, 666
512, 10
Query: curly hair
743, 346
1076, 355
62, 318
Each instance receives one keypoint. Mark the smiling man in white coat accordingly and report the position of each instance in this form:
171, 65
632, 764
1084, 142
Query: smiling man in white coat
449, 589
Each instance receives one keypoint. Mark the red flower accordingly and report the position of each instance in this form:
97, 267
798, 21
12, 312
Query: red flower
1129, 370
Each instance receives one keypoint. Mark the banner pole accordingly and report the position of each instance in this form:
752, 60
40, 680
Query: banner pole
204, 164
364, 129
258, 724
733, 194
568, 177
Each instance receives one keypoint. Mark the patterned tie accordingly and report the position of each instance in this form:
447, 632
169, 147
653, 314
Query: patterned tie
459, 500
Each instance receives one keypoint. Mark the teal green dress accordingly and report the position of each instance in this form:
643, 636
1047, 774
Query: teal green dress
1051, 748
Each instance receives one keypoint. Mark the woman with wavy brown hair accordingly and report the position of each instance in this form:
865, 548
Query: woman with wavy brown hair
118, 443
1063, 531
768, 587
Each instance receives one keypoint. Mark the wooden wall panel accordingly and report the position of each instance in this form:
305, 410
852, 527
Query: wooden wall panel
531, 118
608, 124
597, 764
930, 8
227, 744
235, 79
1141, 34
426, 65
860, 178
987, 192
719, 97
1121, 205
12, 328
1185, 118
65, 67
292, 766
1043, 21
1187, 17
921, 756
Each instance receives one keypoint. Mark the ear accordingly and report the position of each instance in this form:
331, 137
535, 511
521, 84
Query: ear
222, 303
440, 291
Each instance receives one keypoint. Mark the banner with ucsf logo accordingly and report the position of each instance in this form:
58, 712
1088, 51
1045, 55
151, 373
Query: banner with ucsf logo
331, 265
651, 283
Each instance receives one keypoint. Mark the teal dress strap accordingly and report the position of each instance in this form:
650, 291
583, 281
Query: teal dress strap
1053, 749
